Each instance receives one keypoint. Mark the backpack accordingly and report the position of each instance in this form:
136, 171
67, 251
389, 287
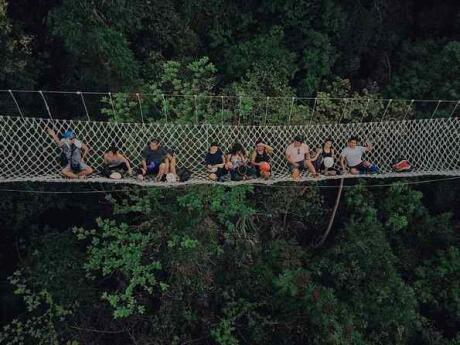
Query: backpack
184, 174
67, 157
401, 165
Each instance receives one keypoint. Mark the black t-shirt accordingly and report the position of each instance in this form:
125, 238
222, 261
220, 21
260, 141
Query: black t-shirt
154, 156
214, 158
264, 157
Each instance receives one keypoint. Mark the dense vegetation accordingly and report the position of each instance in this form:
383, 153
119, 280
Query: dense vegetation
220, 265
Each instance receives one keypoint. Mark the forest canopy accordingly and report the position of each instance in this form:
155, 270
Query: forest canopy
230, 265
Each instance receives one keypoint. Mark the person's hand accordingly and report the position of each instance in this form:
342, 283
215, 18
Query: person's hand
50, 131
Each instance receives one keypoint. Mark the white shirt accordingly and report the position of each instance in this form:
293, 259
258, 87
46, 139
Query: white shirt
297, 154
353, 156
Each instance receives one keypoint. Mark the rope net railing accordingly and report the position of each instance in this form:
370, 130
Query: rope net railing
219, 109
27, 153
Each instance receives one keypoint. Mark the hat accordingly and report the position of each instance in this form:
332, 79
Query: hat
69, 134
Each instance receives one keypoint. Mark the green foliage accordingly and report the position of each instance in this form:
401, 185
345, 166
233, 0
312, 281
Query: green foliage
43, 316
213, 264
101, 50
164, 98
363, 267
432, 72
15, 54
118, 250
438, 285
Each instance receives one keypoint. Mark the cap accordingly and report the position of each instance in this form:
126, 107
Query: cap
69, 134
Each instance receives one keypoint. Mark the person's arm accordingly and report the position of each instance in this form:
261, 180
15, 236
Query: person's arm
310, 167
308, 162
317, 153
106, 160
221, 165
84, 151
307, 156
343, 163
368, 147
253, 159
269, 149
53, 135
128, 164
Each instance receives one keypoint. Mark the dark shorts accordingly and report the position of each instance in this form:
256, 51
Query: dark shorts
108, 170
76, 168
301, 166
359, 166
151, 171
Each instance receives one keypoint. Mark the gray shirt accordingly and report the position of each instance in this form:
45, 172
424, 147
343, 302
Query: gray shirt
72, 151
353, 156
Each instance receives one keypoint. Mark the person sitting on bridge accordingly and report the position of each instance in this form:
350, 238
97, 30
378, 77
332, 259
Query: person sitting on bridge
351, 158
260, 159
157, 160
215, 162
237, 164
73, 154
298, 156
115, 164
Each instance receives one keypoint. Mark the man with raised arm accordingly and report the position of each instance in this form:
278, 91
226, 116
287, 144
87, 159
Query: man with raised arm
351, 158
298, 156
74, 153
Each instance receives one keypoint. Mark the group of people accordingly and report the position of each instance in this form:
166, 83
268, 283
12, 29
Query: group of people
235, 165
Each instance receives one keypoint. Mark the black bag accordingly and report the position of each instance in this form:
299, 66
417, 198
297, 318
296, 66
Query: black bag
184, 174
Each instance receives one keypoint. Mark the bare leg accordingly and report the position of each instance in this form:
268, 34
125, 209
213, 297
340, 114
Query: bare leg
354, 171
162, 170
265, 174
311, 168
67, 172
85, 172
172, 166
141, 174
295, 174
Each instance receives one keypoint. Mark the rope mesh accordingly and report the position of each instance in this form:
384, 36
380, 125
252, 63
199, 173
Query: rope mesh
27, 153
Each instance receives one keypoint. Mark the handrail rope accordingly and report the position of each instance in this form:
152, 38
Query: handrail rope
165, 107
222, 108
455, 108
84, 105
436, 109
408, 109
290, 110
386, 109
365, 109
46, 104
235, 97
16, 102
344, 106
111, 102
223, 185
312, 112
266, 110
140, 107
